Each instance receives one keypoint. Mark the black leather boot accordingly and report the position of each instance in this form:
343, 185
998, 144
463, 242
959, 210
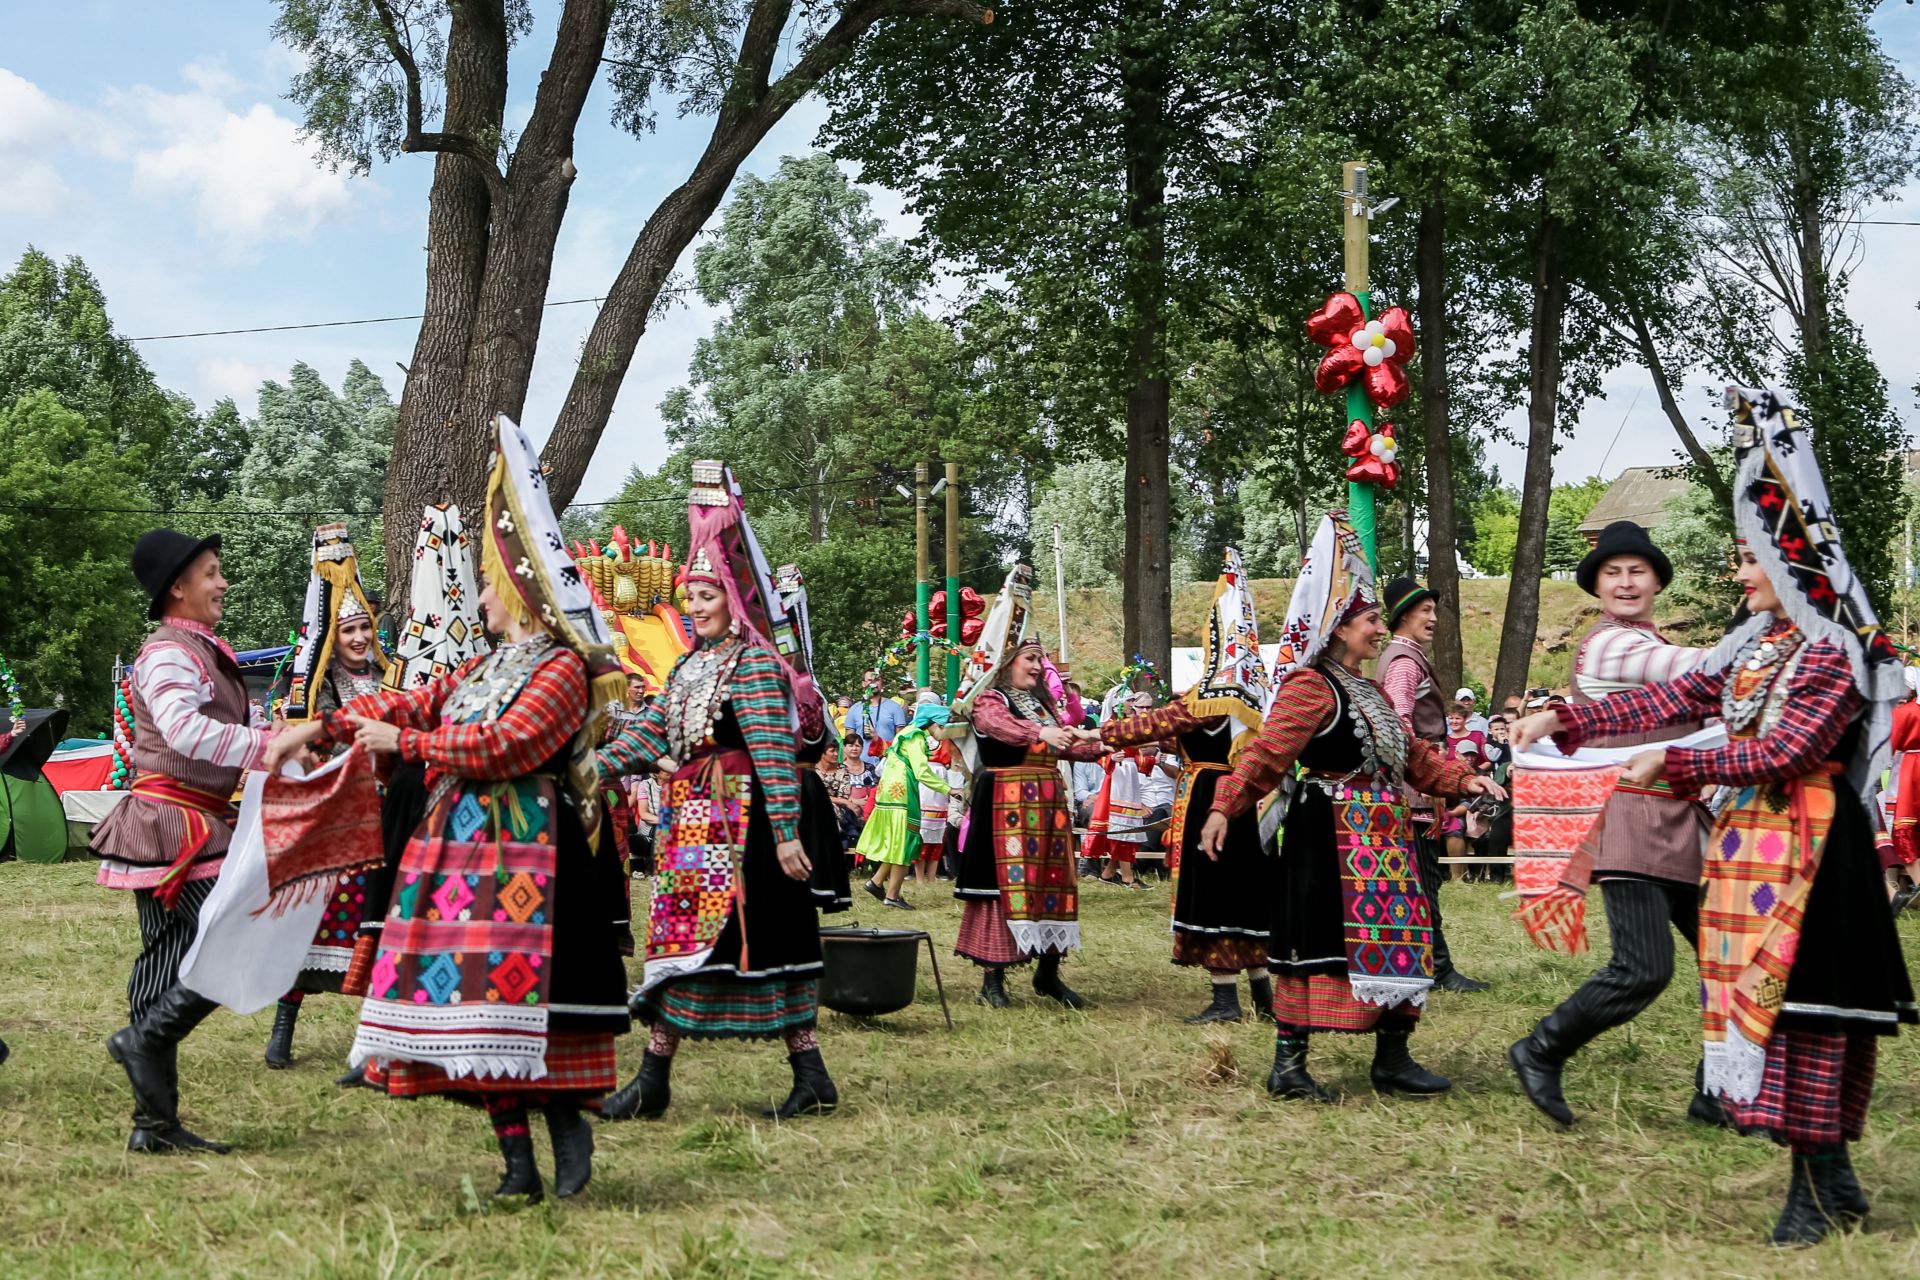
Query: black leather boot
1046, 982
280, 1041
148, 1051
1704, 1108
355, 1078
1225, 1006
1289, 1078
522, 1177
813, 1092
646, 1095
1260, 991
572, 1148
993, 988
3, 1051
1801, 1221
1836, 1190
1395, 1071
1538, 1059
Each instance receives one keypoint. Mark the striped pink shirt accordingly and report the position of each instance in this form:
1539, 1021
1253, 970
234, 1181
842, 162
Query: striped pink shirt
174, 686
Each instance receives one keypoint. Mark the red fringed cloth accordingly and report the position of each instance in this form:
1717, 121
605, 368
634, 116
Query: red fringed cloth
1906, 805
1556, 825
319, 828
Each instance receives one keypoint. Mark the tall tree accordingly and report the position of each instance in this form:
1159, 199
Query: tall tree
383, 77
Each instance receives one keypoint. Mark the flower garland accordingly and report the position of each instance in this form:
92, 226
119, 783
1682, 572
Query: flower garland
896, 653
10, 688
1141, 666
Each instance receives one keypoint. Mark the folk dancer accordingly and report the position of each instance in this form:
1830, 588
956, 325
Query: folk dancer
1801, 970
1351, 948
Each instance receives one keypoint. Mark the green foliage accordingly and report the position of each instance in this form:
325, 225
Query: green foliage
71, 605
1496, 524
1086, 499
1697, 536
1859, 441
859, 586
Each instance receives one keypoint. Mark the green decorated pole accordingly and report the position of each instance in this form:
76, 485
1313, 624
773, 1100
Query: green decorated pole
923, 589
1360, 493
953, 578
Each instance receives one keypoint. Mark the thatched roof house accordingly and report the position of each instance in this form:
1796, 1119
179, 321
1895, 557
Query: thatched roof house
1640, 494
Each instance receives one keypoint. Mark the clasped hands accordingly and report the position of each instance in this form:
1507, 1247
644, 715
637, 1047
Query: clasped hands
293, 740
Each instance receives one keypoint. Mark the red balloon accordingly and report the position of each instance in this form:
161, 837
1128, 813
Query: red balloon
1387, 384
1398, 326
1340, 367
1337, 318
1355, 444
1371, 470
971, 605
970, 629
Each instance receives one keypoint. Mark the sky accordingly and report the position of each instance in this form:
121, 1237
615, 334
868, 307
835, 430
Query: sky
155, 142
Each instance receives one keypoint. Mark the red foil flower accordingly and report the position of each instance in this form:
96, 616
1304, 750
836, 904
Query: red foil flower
1374, 351
1375, 454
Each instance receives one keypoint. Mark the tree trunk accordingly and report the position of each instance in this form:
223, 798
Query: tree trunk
1703, 465
1543, 393
1147, 585
418, 470
1443, 571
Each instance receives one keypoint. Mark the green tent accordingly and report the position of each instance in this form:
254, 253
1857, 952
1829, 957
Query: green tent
33, 827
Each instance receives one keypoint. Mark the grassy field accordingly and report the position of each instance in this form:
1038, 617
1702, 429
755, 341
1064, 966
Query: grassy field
1033, 1142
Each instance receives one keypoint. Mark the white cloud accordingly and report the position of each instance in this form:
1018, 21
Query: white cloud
32, 189
36, 129
239, 379
251, 175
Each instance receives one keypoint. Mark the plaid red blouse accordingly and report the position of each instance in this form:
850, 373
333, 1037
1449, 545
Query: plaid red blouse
1821, 702
761, 705
534, 728
1303, 706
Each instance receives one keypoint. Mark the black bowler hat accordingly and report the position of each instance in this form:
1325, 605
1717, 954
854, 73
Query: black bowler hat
160, 557
1622, 538
1401, 595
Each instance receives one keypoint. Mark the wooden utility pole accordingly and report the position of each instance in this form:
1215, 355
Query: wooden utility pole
923, 589
953, 579
1060, 599
1354, 219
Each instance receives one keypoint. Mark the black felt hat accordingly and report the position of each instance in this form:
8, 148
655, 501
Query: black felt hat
1622, 538
1401, 595
160, 557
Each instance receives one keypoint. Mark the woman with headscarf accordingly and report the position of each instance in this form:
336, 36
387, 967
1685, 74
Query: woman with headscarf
1801, 970
1222, 903
497, 978
1017, 868
1352, 947
733, 942
892, 838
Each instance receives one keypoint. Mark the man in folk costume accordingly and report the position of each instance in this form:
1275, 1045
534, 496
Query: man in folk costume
166, 842
1801, 970
1406, 674
1645, 849
338, 658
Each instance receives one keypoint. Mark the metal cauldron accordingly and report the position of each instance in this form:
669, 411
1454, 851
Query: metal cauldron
872, 971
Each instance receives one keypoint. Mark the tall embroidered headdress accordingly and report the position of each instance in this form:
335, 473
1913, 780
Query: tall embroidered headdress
1234, 683
334, 596
443, 611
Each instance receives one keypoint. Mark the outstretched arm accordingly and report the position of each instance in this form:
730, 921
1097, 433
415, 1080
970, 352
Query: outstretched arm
1302, 706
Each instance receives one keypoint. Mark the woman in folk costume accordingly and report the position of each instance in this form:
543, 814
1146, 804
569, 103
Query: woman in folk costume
1352, 947
1800, 967
892, 836
1223, 902
733, 942
1017, 870
498, 977
1115, 828
338, 659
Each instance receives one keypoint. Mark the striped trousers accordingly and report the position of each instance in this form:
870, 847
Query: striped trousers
1639, 913
165, 938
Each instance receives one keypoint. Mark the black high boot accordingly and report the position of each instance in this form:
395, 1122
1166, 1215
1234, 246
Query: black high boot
1705, 1108
1395, 1071
355, 1078
1538, 1059
993, 987
1225, 1006
1046, 982
1260, 991
280, 1042
572, 1148
1801, 1221
1289, 1078
646, 1095
813, 1092
148, 1051
1836, 1190
3, 1050
522, 1177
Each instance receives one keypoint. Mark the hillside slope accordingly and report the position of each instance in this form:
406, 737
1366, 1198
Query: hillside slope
1094, 625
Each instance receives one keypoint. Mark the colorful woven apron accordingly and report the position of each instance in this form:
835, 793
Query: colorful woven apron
1760, 864
1033, 855
1387, 922
704, 810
